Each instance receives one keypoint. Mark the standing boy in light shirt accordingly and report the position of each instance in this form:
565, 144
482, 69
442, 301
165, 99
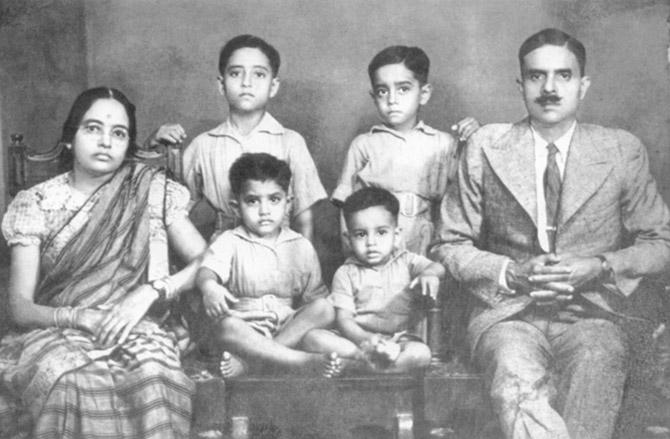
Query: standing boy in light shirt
403, 155
248, 68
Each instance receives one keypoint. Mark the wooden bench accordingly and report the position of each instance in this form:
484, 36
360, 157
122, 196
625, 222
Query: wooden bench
437, 404
446, 400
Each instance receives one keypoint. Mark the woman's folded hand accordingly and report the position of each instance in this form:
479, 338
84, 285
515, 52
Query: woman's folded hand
121, 318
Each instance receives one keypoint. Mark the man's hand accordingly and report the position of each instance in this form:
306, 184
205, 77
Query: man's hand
575, 272
168, 134
464, 128
518, 274
430, 285
215, 298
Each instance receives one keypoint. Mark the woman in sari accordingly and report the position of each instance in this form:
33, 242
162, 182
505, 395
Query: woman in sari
89, 356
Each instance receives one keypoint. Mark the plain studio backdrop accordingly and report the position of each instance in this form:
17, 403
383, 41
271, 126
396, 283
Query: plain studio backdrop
164, 54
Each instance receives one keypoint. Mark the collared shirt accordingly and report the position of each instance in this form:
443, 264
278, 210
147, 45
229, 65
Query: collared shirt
250, 267
563, 145
380, 297
417, 162
210, 155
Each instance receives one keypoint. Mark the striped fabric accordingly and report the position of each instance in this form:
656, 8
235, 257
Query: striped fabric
53, 382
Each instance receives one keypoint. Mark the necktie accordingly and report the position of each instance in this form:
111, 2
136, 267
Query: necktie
552, 194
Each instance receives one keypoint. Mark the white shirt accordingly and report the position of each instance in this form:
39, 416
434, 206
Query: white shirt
563, 146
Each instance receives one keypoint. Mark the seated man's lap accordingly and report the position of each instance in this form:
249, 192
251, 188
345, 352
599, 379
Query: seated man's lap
529, 350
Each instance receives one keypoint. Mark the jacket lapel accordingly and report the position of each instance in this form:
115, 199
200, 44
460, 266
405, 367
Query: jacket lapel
513, 161
586, 169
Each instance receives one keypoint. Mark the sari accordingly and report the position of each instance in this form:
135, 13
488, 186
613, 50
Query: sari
55, 382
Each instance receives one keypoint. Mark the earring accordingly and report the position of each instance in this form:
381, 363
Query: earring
68, 145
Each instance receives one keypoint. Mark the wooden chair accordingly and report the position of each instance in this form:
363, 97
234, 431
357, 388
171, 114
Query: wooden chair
28, 166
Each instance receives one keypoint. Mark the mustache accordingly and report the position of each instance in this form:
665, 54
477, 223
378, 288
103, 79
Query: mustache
548, 99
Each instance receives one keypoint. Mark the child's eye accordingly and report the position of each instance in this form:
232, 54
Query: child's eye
233, 73
275, 199
382, 232
260, 74
404, 89
120, 133
359, 235
251, 201
381, 92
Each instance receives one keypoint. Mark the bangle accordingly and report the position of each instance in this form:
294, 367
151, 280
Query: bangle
65, 316
164, 288
75, 317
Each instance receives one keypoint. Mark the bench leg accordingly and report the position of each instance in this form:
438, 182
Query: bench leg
239, 427
404, 426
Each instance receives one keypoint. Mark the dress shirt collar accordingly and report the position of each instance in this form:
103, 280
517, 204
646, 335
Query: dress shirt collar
268, 124
562, 143
285, 235
421, 126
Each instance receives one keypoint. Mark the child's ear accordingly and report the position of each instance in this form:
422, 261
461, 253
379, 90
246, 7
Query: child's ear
397, 238
235, 205
274, 86
426, 93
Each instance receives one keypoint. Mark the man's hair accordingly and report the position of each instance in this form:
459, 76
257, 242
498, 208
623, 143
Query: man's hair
414, 58
370, 197
261, 167
554, 37
251, 41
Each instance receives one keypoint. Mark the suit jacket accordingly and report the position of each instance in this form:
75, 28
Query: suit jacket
609, 205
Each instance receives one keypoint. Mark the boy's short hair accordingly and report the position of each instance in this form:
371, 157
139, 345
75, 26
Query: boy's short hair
370, 197
258, 166
414, 58
252, 41
554, 37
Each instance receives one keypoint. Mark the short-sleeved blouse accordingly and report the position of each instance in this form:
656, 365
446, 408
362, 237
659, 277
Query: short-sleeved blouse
36, 214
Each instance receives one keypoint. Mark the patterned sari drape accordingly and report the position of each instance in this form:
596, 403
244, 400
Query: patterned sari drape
103, 261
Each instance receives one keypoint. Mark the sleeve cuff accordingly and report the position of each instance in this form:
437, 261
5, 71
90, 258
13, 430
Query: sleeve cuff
502, 279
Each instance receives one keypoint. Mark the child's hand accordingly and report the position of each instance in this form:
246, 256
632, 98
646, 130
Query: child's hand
430, 285
381, 352
465, 128
215, 298
168, 134
388, 350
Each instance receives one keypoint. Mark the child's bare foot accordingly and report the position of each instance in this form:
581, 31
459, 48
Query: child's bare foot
321, 365
231, 366
334, 366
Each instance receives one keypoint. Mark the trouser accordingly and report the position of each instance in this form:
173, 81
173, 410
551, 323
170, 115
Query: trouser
553, 379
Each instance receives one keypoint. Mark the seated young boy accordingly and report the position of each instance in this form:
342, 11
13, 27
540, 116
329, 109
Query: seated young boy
378, 291
261, 282
248, 80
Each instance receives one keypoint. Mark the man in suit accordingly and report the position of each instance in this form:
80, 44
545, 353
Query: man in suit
553, 225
